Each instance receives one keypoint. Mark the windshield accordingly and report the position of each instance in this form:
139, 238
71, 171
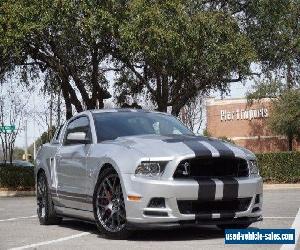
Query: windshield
110, 126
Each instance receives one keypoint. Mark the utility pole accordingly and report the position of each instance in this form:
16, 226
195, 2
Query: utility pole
34, 117
58, 109
51, 115
26, 142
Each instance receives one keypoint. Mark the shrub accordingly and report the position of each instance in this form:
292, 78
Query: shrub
280, 167
20, 178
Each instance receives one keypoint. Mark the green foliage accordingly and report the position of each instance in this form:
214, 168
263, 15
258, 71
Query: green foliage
44, 138
206, 133
172, 51
16, 178
285, 114
281, 167
267, 88
65, 40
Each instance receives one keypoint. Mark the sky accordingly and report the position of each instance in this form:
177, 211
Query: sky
37, 104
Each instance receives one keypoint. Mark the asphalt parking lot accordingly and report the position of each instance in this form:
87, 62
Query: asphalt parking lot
19, 228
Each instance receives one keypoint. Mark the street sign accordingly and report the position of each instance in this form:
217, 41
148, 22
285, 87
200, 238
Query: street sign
7, 128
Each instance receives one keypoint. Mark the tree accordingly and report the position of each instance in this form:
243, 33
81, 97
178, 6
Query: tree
44, 138
172, 51
12, 109
273, 26
18, 153
66, 40
285, 115
192, 113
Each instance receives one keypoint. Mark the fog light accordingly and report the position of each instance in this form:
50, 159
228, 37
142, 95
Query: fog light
157, 203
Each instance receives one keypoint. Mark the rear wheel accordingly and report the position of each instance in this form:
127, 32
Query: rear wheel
45, 208
234, 226
109, 206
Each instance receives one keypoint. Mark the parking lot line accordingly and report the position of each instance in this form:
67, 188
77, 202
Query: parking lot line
279, 217
296, 226
51, 241
18, 218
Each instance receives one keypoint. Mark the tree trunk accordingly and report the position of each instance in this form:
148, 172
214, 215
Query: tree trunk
290, 142
68, 104
175, 110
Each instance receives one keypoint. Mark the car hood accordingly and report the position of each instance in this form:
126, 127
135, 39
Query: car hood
153, 146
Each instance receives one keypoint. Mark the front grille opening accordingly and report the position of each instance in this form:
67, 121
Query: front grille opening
157, 203
156, 213
218, 206
212, 167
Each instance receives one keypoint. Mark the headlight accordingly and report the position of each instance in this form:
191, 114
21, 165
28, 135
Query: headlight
150, 169
253, 168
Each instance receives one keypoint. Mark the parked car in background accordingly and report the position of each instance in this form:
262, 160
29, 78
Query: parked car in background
127, 169
18, 163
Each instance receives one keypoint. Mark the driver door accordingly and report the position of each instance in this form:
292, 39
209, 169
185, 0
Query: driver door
71, 166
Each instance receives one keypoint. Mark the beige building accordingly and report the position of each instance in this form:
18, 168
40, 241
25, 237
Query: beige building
244, 124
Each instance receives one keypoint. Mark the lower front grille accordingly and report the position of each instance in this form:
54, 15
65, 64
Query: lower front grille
209, 207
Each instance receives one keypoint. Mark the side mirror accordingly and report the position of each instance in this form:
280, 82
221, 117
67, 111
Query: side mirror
77, 138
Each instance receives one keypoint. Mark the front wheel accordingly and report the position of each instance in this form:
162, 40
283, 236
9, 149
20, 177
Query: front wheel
234, 226
109, 206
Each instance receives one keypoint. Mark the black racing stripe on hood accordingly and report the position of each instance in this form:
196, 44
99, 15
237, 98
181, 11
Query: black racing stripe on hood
230, 188
224, 151
199, 149
183, 138
207, 189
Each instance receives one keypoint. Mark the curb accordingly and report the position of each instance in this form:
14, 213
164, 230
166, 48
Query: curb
16, 193
281, 186
32, 193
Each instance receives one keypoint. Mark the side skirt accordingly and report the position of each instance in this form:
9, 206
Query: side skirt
75, 213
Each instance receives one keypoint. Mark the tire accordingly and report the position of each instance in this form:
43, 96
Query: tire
45, 207
109, 206
234, 226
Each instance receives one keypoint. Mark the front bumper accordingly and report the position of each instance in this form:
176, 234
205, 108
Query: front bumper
187, 223
137, 212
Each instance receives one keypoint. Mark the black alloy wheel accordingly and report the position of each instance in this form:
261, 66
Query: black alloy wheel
109, 206
45, 208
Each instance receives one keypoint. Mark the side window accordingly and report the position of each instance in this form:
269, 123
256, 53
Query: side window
80, 124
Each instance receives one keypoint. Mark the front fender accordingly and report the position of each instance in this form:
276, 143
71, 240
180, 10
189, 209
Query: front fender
123, 159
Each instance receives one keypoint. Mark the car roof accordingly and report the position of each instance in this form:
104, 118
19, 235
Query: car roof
96, 111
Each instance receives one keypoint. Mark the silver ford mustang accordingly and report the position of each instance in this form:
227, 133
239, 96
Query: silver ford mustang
126, 169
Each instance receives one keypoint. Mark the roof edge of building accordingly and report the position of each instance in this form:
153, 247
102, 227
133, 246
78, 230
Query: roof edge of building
217, 102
